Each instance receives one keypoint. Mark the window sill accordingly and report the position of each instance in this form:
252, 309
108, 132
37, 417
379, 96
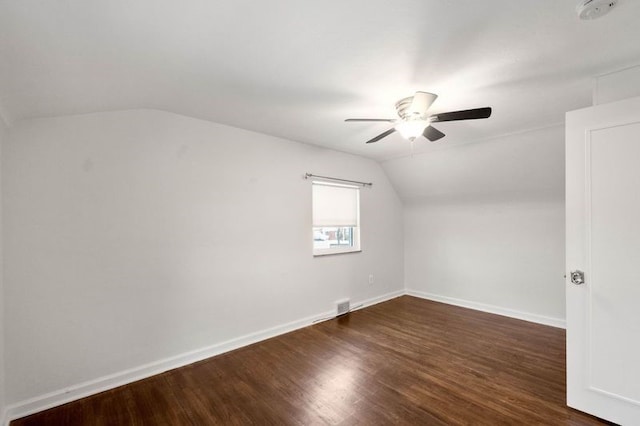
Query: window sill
331, 253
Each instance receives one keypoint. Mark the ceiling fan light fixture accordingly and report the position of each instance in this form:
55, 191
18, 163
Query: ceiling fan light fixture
415, 119
411, 129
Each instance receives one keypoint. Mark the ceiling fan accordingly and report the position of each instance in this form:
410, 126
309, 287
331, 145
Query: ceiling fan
415, 121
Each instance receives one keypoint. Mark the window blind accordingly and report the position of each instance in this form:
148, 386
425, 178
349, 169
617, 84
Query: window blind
335, 205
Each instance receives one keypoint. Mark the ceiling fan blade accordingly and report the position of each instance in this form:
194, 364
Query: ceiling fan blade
382, 135
432, 133
388, 120
468, 114
421, 103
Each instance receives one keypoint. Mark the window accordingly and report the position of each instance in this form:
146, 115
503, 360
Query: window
336, 218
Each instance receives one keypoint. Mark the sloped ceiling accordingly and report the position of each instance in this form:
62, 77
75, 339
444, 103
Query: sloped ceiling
296, 69
524, 167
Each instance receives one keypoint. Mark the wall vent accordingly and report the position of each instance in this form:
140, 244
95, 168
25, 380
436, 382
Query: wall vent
343, 307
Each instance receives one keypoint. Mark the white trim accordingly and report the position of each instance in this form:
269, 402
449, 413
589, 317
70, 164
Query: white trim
101, 384
512, 313
617, 70
378, 299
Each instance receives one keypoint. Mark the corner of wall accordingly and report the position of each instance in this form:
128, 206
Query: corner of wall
3, 412
491, 309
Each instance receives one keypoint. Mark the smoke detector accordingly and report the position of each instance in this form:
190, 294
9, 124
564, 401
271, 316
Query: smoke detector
593, 9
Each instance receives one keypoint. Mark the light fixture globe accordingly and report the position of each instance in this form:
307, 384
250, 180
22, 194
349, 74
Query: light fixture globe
411, 129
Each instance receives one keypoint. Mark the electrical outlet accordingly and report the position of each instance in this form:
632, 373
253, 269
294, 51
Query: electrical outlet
370, 278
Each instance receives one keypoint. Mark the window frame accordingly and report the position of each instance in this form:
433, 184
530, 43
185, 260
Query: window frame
355, 230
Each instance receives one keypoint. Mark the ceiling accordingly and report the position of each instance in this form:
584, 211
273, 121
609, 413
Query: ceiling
296, 69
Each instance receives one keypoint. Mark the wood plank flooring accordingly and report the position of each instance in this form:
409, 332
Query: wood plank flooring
406, 361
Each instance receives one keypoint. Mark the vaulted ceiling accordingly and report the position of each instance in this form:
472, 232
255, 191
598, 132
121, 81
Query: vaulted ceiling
296, 69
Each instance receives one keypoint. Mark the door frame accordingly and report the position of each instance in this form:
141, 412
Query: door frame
580, 124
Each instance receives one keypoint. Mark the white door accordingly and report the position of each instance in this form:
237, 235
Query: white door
603, 241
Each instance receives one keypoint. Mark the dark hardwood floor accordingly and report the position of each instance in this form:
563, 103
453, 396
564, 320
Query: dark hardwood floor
406, 361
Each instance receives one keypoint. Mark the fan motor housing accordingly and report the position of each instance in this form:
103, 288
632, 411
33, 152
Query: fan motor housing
408, 109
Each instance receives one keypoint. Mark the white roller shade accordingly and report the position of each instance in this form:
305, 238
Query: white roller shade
335, 205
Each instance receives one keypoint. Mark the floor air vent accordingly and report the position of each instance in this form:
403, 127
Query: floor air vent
343, 307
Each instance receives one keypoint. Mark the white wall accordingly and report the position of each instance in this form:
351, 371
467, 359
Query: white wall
3, 131
508, 255
138, 235
484, 223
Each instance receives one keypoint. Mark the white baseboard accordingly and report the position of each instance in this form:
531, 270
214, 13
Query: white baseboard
92, 387
526, 316
101, 384
378, 299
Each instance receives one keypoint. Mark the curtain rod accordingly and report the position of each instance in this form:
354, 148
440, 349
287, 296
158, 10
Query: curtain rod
308, 175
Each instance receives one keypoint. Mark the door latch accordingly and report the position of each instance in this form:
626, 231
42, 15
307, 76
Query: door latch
577, 277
